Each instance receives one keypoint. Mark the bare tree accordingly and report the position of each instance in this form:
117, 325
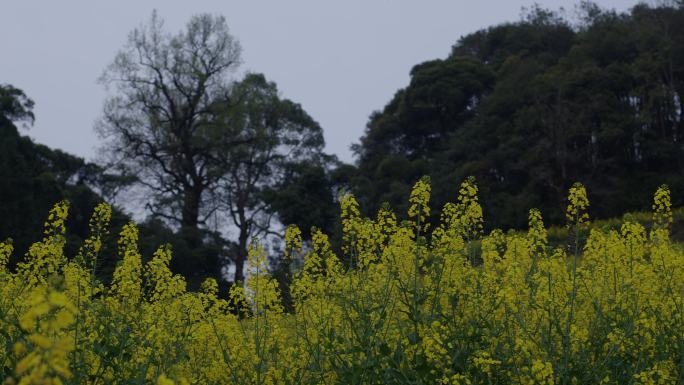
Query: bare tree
156, 123
201, 143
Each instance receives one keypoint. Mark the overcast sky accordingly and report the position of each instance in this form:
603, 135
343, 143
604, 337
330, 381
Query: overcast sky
340, 59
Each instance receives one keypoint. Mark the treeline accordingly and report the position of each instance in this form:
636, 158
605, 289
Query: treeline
220, 159
527, 108
530, 107
33, 177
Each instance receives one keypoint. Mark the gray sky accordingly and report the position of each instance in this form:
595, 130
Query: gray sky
340, 59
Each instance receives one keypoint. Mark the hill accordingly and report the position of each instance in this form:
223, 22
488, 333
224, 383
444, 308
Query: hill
531, 107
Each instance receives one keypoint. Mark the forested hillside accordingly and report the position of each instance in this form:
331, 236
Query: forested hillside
530, 107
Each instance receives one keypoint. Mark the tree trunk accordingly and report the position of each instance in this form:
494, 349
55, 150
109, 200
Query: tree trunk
191, 234
190, 210
241, 256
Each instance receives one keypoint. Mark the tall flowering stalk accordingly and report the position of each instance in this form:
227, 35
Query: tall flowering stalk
414, 305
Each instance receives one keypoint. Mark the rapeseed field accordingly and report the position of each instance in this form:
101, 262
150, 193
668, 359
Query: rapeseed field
405, 302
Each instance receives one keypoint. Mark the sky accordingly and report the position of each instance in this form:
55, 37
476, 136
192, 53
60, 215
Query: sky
341, 60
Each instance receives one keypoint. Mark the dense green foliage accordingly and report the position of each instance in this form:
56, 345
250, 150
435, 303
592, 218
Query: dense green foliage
34, 176
529, 107
526, 107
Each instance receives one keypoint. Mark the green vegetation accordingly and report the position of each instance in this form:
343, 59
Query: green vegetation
530, 107
391, 281
412, 309
527, 108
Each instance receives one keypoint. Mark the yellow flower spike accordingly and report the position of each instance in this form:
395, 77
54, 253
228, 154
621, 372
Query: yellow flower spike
40, 341
160, 283
238, 299
6, 250
26, 363
321, 247
99, 221
47, 256
128, 238
313, 263
57, 299
55, 224
307, 282
469, 217
127, 281
542, 372
98, 227
209, 287
634, 237
386, 222
262, 290
293, 242
578, 203
359, 242
493, 247
163, 380
47, 322
64, 319
536, 233
19, 348
662, 208
419, 204
449, 215
483, 361
350, 216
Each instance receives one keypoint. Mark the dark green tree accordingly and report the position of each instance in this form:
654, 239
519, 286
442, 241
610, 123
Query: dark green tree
33, 177
550, 103
277, 138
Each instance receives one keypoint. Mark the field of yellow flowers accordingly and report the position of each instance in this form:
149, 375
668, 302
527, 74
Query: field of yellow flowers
407, 303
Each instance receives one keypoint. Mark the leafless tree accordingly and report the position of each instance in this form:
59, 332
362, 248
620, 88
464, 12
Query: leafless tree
156, 123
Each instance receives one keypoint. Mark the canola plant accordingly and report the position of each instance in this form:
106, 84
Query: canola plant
409, 302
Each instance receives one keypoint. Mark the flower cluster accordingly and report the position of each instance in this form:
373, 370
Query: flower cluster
578, 203
404, 303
